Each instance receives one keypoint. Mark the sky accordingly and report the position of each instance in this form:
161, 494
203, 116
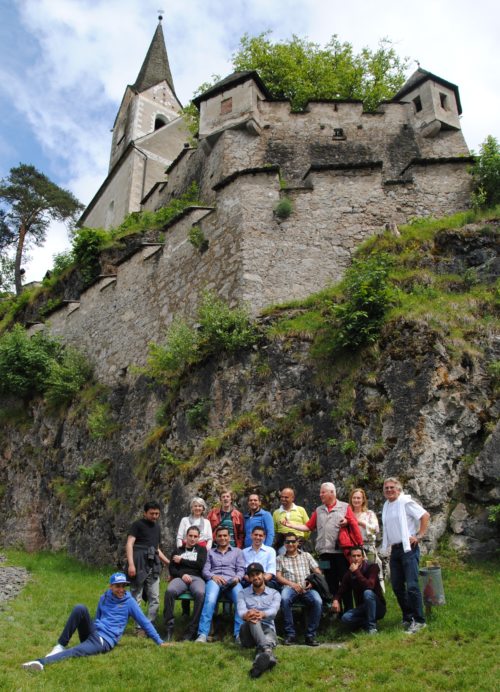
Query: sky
64, 66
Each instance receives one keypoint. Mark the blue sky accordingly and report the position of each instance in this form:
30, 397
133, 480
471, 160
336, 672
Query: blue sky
64, 65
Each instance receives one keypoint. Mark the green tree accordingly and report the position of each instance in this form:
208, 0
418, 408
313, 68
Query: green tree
32, 202
486, 174
300, 70
6, 273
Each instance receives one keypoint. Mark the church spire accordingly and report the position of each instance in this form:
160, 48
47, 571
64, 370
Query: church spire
155, 67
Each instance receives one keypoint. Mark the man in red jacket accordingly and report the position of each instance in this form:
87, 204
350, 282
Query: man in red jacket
362, 580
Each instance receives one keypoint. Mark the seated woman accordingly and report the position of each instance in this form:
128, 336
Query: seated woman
198, 507
368, 525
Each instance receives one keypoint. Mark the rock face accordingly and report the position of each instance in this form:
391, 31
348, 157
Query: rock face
268, 416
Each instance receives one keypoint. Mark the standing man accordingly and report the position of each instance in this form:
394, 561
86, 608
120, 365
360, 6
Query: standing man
186, 565
100, 635
144, 559
292, 570
264, 555
257, 607
228, 516
223, 572
256, 516
362, 579
405, 523
327, 520
288, 510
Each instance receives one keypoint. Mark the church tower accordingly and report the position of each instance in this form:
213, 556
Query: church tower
149, 103
148, 134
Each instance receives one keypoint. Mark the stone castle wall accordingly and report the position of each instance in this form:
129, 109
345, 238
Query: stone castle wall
343, 188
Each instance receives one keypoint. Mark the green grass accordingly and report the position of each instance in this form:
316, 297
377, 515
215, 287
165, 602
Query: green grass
458, 649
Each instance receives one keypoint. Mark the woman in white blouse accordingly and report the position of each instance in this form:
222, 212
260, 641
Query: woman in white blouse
368, 525
198, 507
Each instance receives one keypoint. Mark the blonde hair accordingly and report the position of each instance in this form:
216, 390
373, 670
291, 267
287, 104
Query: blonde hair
364, 506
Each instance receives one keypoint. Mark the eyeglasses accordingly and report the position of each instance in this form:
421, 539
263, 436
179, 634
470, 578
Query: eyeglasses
290, 542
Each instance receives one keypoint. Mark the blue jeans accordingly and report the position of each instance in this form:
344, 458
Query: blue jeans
404, 580
366, 614
315, 605
90, 641
212, 593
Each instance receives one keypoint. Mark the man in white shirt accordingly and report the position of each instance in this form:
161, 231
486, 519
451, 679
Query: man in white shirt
405, 523
264, 555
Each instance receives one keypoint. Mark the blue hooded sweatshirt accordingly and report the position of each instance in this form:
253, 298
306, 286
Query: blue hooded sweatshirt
113, 613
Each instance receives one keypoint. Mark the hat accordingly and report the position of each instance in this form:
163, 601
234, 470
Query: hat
254, 567
118, 578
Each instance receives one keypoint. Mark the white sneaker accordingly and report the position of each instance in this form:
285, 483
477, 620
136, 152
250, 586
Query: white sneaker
201, 639
33, 665
415, 627
58, 648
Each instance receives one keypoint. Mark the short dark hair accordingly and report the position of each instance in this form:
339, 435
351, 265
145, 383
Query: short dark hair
194, 528
220, 528
259, 528
290, 534
356, 547
152, 504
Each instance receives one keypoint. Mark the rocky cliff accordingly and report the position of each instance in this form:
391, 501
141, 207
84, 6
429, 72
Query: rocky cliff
420, 403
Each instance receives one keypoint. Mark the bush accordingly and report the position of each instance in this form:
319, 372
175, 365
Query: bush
40, 365
179, 351
25, 362
222, 327
486, 175
284, 208
367, 296
67, 377
87, 246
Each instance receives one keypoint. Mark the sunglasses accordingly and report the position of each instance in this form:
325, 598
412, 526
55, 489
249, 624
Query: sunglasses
290, 542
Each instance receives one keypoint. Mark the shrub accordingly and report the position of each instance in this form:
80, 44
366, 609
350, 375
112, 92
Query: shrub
87, 246
197, 238
222, 327
67, 377
284, 208
367, 296
25, 363
179, 351
197, 415
99, 421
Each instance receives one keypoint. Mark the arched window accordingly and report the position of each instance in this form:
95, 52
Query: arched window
160, 121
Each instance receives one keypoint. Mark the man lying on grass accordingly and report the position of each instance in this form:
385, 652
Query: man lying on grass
100, 635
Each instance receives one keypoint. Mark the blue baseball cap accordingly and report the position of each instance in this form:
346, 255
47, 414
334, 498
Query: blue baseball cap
118, 578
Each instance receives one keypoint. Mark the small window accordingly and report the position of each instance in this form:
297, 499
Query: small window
338, 132
418, 104
226, 106
444, 101
159, 122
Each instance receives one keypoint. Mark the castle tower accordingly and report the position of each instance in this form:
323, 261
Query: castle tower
148, 134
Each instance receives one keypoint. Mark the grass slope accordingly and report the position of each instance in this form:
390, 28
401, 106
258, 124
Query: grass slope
458, 650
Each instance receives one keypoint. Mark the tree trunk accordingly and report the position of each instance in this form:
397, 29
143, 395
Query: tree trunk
19, 256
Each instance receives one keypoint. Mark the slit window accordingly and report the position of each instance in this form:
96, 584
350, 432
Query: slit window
417, 102
443, 99
226, 106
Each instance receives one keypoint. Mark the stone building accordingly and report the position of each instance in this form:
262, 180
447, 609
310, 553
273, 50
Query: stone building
346, 172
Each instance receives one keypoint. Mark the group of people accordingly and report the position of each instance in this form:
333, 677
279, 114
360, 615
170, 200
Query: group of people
259, 562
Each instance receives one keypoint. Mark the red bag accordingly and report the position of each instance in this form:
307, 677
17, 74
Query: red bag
345, 540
